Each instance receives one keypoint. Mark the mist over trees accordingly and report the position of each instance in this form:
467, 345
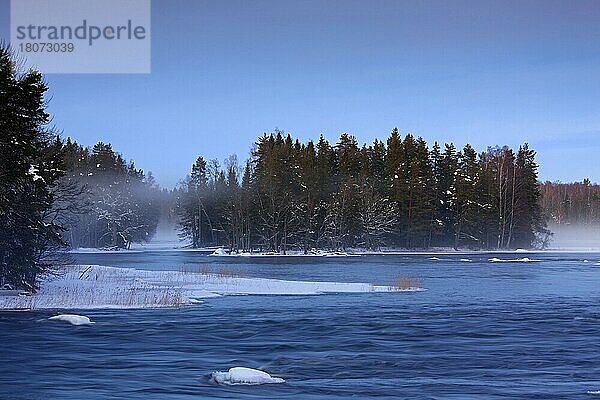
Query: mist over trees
401, 193
115, 205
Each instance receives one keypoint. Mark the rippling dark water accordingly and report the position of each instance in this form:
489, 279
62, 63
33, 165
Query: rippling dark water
480, 331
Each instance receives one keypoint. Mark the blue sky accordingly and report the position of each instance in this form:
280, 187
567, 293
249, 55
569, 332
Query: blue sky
223, 72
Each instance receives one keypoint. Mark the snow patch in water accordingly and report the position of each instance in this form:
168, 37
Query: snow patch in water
72, 319
594, 392
466, 260
244, 376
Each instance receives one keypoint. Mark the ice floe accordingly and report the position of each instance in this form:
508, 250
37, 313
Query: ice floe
244, 376
72, 319
516, 260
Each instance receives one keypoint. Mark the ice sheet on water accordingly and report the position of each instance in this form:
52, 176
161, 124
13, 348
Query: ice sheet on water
93, 286
244, 376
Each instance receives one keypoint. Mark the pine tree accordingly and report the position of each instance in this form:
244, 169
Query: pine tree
466, 207
397, 184
447, 194
29, 169
529, 225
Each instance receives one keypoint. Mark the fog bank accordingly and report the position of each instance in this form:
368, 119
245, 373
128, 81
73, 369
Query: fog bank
575, 237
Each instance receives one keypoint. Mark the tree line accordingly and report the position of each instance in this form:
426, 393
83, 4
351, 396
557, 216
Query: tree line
397, 193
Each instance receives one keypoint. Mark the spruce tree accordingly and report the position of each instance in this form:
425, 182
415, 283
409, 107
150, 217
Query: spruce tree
29, 169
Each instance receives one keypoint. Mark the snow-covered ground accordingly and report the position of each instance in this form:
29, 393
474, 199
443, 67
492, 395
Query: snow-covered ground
93, 286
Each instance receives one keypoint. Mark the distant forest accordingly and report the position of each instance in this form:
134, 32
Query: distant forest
571, 203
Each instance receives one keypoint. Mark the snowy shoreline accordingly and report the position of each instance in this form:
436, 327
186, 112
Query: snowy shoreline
357, 252
97, 287
220, 252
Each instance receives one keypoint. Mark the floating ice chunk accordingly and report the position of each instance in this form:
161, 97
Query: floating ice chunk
340, 254
466, 260
434, 258
516, 260
244, 376
594, 392
72, 319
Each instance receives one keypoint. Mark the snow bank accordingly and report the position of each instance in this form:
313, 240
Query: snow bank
90, 287
516, 260
72, 319
244, 376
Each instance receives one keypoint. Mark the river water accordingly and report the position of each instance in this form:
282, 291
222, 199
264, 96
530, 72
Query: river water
481, 330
